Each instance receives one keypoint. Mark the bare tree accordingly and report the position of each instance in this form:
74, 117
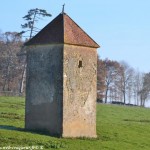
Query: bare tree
126, 79
137, 86
112, 72
144, 92
9, 45
101, 73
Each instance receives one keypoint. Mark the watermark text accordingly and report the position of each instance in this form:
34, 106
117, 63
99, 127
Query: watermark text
35, 147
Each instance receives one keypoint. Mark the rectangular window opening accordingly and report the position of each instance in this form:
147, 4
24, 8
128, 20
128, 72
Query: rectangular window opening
80, 64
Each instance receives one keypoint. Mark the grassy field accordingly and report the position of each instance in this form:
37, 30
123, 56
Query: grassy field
118, 128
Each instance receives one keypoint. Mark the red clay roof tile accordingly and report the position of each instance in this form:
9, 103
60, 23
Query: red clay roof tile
62, 30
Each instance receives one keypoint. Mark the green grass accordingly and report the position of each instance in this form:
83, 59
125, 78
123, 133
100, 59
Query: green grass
118, 128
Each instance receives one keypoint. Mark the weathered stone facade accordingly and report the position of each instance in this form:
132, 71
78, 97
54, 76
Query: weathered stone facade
79, 91
61, 82
44, 88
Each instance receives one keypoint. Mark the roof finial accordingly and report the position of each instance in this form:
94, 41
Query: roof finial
63, 8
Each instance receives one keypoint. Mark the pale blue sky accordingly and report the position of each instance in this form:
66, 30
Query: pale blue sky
121, 27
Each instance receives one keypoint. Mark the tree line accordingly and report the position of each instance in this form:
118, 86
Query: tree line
116, 81
119, 82
11, 65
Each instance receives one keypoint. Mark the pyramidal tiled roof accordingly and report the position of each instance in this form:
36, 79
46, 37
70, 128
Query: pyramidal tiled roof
62, 30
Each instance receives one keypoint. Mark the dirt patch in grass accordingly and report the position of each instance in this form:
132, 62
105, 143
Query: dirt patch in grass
10, 115
140, 120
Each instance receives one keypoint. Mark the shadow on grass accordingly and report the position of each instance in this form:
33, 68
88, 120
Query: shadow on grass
53, 144
11, 128
44, 132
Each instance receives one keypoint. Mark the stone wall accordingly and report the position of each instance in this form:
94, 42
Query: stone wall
44, 88
79, 91
61, 90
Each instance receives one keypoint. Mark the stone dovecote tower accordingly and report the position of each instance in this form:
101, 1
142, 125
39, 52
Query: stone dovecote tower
61, 80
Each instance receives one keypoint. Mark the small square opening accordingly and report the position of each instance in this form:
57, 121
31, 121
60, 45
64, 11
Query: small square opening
80, 64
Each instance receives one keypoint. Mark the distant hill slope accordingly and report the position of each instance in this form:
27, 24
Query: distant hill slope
118, 128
